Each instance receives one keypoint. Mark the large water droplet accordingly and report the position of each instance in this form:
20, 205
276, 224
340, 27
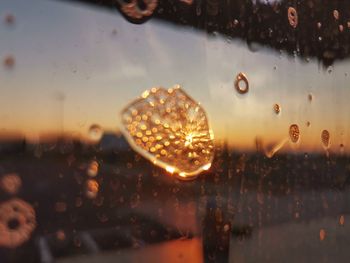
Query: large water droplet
17, 221
294, 133
241, 83
170, 129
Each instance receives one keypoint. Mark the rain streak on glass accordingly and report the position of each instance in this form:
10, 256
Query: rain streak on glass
241, 83
325, 138
294, 133
171, 130
292, 17
17, 222
277, 108
95, 132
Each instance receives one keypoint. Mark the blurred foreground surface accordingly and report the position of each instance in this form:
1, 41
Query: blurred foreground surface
290, 208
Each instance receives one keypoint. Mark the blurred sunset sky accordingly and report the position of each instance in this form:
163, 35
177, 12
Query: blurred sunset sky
77, 65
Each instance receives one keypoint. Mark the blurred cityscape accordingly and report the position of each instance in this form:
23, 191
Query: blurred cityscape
132, 203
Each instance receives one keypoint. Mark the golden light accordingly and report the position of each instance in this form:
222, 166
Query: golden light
170, 129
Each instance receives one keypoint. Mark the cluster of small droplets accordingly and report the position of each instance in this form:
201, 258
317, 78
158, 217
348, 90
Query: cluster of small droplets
170, 129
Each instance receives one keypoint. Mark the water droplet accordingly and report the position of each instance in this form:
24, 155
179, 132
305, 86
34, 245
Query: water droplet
325, 138
9, 62
135, 200
198, 10
9, 19
60, 207
60, 235
91, 189
226, 228
92, 169
241, 83
102, 217
133, 10
330, 69
308, 124
336, 14
277, 108
292, 17
188, 2
322, 234
17, 221
175, 135
319, 25
78, 202
269, 149
114, 32
294, 133
341, 28
77, 242
10, 183
310, 97
341, 147
342, 220
95, 132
